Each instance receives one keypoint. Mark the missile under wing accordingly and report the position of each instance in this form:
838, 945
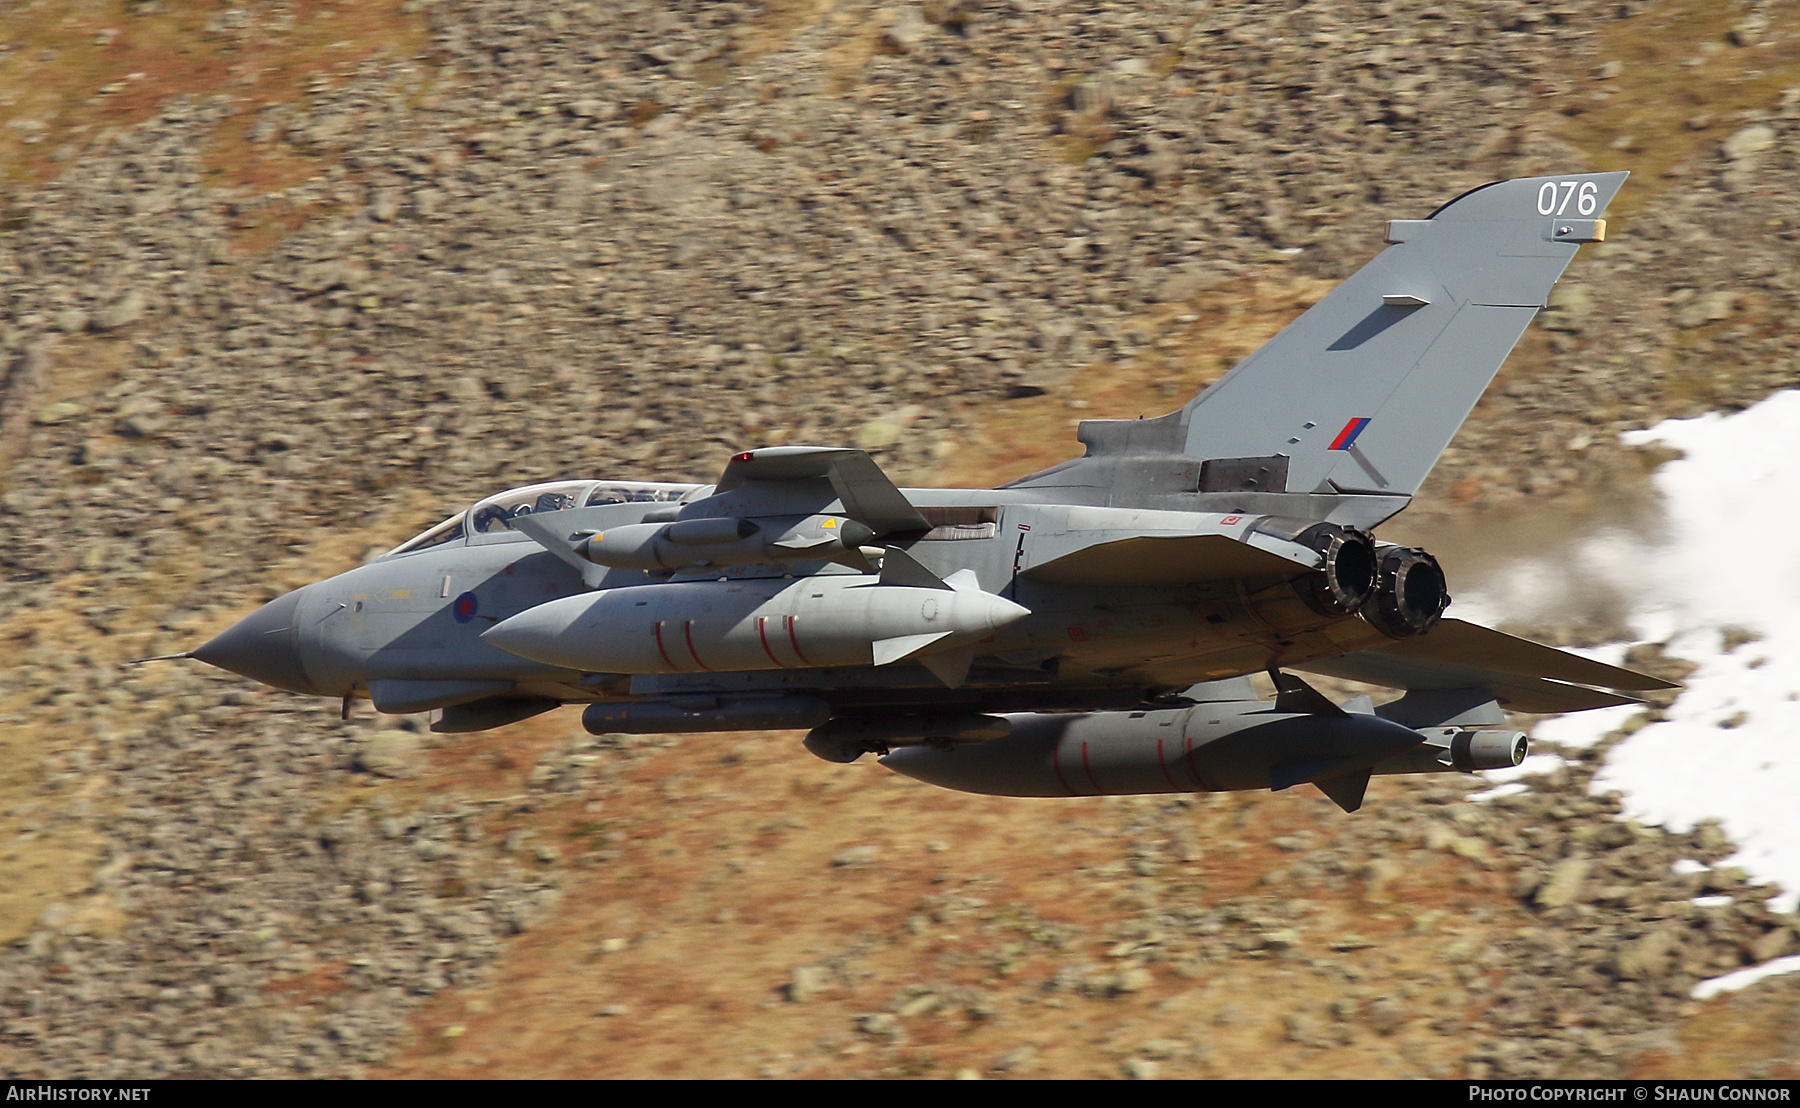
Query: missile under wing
1087, 629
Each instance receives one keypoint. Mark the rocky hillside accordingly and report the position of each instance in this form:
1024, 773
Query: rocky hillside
284, 282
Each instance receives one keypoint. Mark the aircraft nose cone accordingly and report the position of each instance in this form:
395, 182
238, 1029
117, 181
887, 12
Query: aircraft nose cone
263, 646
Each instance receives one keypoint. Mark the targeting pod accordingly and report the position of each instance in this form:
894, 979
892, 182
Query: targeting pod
1410, 592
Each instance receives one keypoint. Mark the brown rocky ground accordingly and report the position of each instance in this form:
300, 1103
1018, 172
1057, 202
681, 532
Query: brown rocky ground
285, 281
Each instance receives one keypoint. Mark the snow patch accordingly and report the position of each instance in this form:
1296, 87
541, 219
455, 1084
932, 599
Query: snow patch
1716, 579
1731, 982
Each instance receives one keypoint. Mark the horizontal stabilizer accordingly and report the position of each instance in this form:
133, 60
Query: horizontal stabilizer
1522, 675
1464, 643
1149, 560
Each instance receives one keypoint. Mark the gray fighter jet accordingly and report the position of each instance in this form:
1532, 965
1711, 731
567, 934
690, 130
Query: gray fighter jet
1085, 630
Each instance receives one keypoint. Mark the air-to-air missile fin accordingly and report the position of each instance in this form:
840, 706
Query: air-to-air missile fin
1149, 560
964, 580
1294, 695
1358, 705
904, 646
950, 666
900, 568
1522, 675
1346, 792
1345, 789
1363, 392
811, 476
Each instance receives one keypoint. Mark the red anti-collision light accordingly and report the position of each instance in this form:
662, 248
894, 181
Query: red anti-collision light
745, 456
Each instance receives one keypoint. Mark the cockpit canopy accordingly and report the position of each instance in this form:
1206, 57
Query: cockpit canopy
495, 514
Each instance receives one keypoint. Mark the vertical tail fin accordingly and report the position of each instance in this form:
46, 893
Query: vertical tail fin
1363, 392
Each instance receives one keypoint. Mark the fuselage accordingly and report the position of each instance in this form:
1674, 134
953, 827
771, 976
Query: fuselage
803, 589
406, 629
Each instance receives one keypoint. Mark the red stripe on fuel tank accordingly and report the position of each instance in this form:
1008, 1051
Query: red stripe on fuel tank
1164, 766
1089, 770
687, 632
794, 641
668, 661
1056, 764
762, 632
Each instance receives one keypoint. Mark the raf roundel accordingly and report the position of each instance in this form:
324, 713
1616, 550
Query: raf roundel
464, 607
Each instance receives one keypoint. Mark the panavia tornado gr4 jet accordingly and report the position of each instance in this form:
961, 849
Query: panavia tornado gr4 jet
1085, 630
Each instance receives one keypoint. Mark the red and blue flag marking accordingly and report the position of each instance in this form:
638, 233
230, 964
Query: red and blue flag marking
1348, 435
